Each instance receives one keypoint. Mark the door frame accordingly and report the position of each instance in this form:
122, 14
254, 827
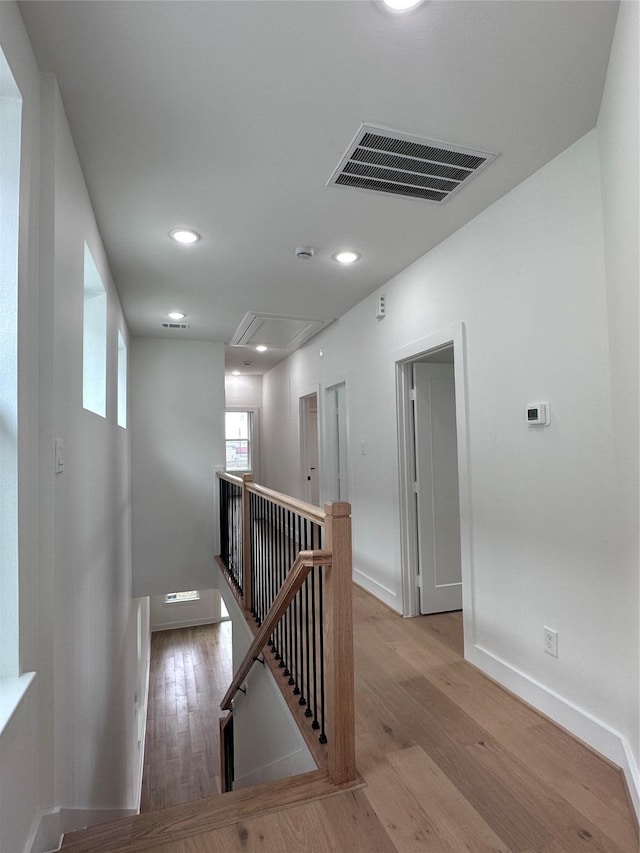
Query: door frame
325, 485
404, 358
303, 402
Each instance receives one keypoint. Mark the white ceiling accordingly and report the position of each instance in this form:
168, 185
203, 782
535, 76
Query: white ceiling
230, 117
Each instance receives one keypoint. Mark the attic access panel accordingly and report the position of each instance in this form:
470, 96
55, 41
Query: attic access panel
276, 331
387, 161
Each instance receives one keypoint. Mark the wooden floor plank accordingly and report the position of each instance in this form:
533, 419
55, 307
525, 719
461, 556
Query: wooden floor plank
189, 674
451, 762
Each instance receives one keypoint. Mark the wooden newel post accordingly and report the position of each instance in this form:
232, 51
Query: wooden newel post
247, 592
338, 631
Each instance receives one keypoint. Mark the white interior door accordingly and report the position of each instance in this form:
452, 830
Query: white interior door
437, 500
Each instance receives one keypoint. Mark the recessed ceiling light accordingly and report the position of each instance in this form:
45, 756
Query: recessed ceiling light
176, 315
346, 257
184, 235
401, 5
235, 373
261, 348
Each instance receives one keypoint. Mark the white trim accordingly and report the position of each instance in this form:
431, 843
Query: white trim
289, 765
193, 599
186, 623
49, 828
402, 358
12, 692
578, 722
255, 439
388, 596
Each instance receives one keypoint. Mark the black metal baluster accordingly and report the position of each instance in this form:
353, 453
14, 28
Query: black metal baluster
323, 734
223, 521
314, 586
282, 624
301, 611
234, 533
277, 634
239, 537
287, 669
307, 625
257, 548
259, 533
294, 629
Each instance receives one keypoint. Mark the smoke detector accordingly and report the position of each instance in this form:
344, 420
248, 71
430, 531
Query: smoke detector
305, 253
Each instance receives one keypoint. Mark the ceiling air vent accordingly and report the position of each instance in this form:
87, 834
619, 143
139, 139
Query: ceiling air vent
168, 325
387, 161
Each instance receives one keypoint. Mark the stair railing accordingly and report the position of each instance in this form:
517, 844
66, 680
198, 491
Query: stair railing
296, 594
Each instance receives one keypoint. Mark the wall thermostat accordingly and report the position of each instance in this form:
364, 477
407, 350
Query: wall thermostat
538, 414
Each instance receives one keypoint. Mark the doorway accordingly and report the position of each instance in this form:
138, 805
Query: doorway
309, 448
434, 477
437, 506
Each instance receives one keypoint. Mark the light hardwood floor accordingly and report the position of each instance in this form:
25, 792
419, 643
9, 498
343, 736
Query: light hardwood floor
451, 763
189, 673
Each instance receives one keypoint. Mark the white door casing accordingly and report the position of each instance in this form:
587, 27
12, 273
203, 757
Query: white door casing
336, 463
310, 450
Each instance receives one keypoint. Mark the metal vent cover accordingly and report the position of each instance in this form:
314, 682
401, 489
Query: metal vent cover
167, 325
387, 161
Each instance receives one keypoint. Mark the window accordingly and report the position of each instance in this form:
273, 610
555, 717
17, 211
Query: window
122, 381
177, 597
238, 438
10, 125
94, 339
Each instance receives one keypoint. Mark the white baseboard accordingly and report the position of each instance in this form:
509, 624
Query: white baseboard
289, 765
49, 827
577, 721
185, 623
390, 598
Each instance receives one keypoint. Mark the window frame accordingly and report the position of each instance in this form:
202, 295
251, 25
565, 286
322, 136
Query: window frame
94, 337
171, 601
254, 440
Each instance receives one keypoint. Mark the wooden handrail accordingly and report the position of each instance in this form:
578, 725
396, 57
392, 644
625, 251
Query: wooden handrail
230, 478
303, 564
309, 511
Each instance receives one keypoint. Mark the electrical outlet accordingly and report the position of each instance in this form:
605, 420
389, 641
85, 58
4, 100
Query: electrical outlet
551, 642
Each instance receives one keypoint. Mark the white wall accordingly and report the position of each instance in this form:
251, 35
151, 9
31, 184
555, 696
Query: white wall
177, 426
619, 146
71, 747
19, 767
243, 391
179, 614
527, 280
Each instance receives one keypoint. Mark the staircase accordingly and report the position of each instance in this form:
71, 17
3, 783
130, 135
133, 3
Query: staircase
152, 831
288, 564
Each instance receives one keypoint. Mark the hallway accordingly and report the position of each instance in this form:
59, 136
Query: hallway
190, 672
450, 760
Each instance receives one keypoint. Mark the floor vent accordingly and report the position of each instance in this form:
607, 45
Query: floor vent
387, 161
167, 325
